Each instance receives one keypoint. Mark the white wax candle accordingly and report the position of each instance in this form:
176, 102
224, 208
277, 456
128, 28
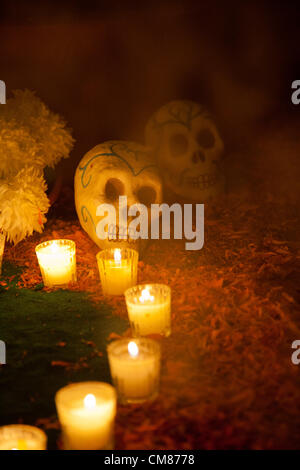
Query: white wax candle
118, 273
135, 369
149, 309
86, 412
22, 437
57, 260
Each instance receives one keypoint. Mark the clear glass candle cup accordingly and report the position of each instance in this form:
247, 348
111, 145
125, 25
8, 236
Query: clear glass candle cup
86, 412
22, 437
117, 269
57, 260
135, 369
149, 309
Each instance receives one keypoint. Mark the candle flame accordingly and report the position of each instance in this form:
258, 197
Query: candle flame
117, 255
133, 349
146, 296
54, 247
89, 401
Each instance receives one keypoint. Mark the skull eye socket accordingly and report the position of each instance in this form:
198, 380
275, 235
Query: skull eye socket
178, 145
146, 195
205, 138
113, 189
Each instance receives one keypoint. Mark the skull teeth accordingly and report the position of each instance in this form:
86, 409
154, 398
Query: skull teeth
201, 181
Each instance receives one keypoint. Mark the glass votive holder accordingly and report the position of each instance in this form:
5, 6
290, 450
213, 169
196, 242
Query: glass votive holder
86, 412
149, 309
57, 260
117, 269
135, 369
22, 437
2, 246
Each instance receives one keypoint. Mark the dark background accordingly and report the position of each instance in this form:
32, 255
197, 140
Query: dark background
228, 381
107, 65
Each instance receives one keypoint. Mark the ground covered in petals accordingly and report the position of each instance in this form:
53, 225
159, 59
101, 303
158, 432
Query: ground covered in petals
227, 378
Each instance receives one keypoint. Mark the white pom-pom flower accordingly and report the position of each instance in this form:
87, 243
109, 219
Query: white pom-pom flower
31, 134
23, 204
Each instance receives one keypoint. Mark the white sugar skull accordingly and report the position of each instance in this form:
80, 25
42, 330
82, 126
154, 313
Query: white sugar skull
188, 149
110, 170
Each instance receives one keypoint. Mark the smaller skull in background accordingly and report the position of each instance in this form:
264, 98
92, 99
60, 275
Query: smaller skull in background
110, 170
188, 149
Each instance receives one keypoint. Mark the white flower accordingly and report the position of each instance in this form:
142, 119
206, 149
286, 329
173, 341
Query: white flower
23, 204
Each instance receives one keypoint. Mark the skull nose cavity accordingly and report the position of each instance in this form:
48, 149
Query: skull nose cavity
198, 157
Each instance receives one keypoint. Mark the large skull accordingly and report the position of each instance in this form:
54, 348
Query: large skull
108, 171
188, 149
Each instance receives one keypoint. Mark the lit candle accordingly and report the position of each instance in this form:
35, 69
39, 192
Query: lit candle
57, 260
118, 269
149, 309
86, 413
135, 369
22, 437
